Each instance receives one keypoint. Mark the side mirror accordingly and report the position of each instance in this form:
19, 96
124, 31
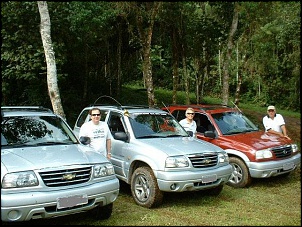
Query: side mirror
85, 140
210, 134
121, 136
190, 133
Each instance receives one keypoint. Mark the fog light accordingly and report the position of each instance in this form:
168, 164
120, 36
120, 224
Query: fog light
13, 215
173, 187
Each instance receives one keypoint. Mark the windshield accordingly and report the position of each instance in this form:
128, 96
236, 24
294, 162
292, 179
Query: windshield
156, 125
233, 123
35, 130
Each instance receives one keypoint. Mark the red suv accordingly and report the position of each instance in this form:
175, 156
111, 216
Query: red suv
252, 152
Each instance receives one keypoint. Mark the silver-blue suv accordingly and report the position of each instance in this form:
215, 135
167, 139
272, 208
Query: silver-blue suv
154, 154
46, 172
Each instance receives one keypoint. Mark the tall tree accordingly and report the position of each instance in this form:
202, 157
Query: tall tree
52, 82
145, 18
230, 44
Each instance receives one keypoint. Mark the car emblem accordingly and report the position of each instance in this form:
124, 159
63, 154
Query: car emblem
206, 161
69, 176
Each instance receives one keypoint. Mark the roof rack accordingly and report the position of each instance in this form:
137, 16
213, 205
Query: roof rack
123, 107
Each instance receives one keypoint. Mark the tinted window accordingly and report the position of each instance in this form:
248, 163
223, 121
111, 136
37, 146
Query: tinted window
34, 129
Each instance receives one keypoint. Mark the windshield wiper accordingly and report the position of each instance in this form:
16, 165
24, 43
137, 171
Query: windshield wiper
150, 136
52, 143
176, 135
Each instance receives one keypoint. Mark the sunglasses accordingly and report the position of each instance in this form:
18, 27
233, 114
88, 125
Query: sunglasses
95, 115
191, 113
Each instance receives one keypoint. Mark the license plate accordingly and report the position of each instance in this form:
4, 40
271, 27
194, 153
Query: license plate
209, 178
288, 166
71, 201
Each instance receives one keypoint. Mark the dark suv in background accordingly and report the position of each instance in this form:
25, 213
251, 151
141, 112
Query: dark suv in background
46, 172
252, 152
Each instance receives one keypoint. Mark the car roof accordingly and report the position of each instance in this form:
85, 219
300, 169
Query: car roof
204, 107
24, 110
130, 108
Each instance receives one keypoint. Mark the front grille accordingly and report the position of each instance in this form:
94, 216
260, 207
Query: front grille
204, 160
64, 177
282, 151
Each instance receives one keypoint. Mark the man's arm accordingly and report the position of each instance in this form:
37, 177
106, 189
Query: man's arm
108, 148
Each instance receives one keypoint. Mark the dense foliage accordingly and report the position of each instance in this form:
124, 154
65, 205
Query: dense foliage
97, 48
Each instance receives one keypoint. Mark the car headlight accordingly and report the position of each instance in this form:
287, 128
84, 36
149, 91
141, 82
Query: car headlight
176, 162
102, 170
223, 157
294, 147
20, 179
263, 154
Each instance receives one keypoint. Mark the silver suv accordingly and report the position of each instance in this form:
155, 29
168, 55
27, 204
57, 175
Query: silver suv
154, 154
46, 172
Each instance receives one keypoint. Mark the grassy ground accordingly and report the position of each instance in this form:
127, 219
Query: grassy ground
268, 202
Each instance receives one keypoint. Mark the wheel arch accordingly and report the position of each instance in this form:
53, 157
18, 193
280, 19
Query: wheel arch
235, 153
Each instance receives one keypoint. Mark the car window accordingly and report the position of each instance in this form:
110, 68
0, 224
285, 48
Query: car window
203, 123
232, 123
115, 123
155, 125
35, 129
179, 114
82, 118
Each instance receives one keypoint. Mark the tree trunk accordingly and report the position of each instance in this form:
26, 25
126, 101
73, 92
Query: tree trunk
53, 89
225, 84
174, 66
119, 62
145, 34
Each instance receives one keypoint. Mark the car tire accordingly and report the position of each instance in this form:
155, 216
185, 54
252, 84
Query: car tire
144, 188
240, 177
102, 212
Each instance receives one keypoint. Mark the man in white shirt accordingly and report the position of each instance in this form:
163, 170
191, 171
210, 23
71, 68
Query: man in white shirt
98, 132
188, 123
274, 123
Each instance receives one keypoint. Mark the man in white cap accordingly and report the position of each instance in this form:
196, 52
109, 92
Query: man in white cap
274, 123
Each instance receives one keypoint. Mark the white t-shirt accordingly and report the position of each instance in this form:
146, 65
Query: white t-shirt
98, 135
274, 124
188, 126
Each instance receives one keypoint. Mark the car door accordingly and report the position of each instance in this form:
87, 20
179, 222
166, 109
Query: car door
118, 147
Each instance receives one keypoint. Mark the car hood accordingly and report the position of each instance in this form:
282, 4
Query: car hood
37, 158
253, 140
179, 145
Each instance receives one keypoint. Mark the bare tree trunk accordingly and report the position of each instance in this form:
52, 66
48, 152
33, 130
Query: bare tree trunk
184, 64
225, 84
53, 89
145, 34
237, 93
119, 62
239, 82
185, 76
175, 66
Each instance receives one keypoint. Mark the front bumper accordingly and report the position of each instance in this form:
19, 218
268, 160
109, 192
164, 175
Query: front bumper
274, 168
193, 180
24, 206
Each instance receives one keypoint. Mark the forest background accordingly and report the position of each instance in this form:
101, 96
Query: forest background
234, 51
